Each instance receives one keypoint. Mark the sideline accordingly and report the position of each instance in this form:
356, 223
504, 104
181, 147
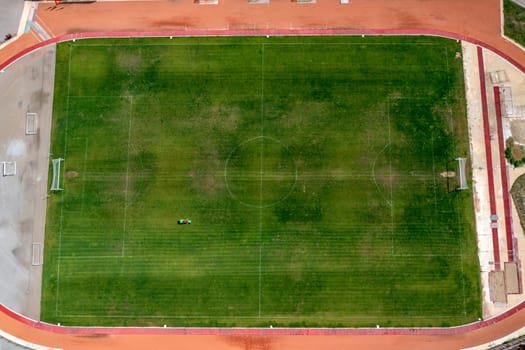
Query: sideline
256, 32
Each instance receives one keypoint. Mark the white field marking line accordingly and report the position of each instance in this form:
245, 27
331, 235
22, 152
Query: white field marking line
451, 119
391, 185
261, 181
98, 97
462, 272
373, 175
171, 43
96, 257
62, 192
127, 178
367, 316
427, 255
84, 167
434, 174
115, 176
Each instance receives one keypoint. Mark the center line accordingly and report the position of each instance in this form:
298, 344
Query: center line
261, 174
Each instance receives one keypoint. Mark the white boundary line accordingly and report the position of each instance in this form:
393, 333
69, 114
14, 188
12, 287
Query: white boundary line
62, 193
261, 181
367, 316
24, 343
261, 192
84, 170
266, 43
127, 178
392, 234
434, 173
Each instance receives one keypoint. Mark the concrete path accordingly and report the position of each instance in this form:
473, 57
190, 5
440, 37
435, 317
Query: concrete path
27, 86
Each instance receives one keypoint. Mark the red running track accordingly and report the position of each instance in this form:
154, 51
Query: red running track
504, 178
460, 330
488, 151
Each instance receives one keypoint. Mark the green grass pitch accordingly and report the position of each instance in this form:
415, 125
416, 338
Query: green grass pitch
309, 166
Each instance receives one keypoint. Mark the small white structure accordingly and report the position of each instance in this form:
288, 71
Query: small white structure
37, 255
9, 168
462, 167
31, 124
55, 184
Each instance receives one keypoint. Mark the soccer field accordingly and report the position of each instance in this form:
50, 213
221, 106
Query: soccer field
312, 169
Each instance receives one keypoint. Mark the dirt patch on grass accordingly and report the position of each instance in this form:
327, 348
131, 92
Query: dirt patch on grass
224, 118
71, 174
447, 174
206, 174
129, 62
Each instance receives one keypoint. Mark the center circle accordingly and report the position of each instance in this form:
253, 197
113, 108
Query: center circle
260, 172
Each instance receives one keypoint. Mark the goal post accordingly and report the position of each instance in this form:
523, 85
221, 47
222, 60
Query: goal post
462, 168
55, 184
8, 168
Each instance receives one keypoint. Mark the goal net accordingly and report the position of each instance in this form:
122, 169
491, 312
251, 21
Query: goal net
8, 168
462, 168
55, 184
